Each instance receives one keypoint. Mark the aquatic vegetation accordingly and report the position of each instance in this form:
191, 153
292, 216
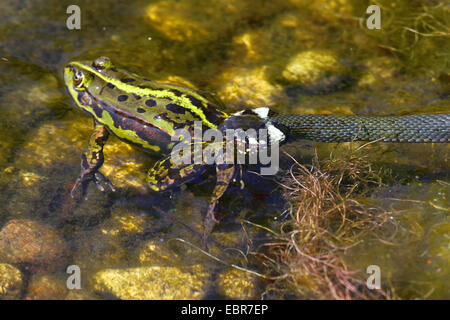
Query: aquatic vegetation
328, 215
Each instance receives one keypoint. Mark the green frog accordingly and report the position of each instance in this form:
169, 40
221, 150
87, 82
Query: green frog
147, 114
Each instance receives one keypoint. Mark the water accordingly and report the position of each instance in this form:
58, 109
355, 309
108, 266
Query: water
296, 56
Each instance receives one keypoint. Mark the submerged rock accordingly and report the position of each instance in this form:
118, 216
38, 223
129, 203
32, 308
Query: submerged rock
331, 11
307, 67
193, 21
10, 282
46, 287
35, 245
152, 283
40, 165
155, 252
248, 87
236, 284
113, 241
125, 165
80, 295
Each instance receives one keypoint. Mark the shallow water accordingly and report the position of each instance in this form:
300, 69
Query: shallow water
297, 56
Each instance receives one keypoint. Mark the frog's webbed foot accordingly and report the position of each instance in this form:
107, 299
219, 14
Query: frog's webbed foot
81, 183
225, 173
100, 180
91, 161
84, 179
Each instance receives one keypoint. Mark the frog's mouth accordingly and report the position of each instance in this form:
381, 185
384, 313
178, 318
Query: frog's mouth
69, 71
68, 74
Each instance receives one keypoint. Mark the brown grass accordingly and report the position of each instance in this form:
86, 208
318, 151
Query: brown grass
328, 216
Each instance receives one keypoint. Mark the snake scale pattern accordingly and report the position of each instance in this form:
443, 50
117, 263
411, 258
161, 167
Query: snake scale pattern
345, 128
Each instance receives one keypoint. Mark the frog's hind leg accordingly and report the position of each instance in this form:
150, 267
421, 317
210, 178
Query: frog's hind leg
166, 174
225, 173
91, 161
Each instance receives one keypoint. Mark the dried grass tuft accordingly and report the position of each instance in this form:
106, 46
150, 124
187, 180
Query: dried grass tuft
329, 215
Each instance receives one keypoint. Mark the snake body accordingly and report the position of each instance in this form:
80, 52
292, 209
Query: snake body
345, 128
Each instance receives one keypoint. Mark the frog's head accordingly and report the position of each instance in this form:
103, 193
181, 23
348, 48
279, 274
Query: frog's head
79, 74
85, 79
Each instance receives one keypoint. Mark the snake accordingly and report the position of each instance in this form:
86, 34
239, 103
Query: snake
345, 128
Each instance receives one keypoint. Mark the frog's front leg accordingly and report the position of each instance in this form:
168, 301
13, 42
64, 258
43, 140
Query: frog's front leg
91, 161
225, 173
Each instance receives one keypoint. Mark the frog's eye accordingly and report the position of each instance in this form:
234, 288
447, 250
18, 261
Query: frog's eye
78, 78
102, 63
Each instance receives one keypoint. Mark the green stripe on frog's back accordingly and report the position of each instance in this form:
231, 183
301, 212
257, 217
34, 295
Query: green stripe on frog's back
125, 126
161, 113
167, 95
